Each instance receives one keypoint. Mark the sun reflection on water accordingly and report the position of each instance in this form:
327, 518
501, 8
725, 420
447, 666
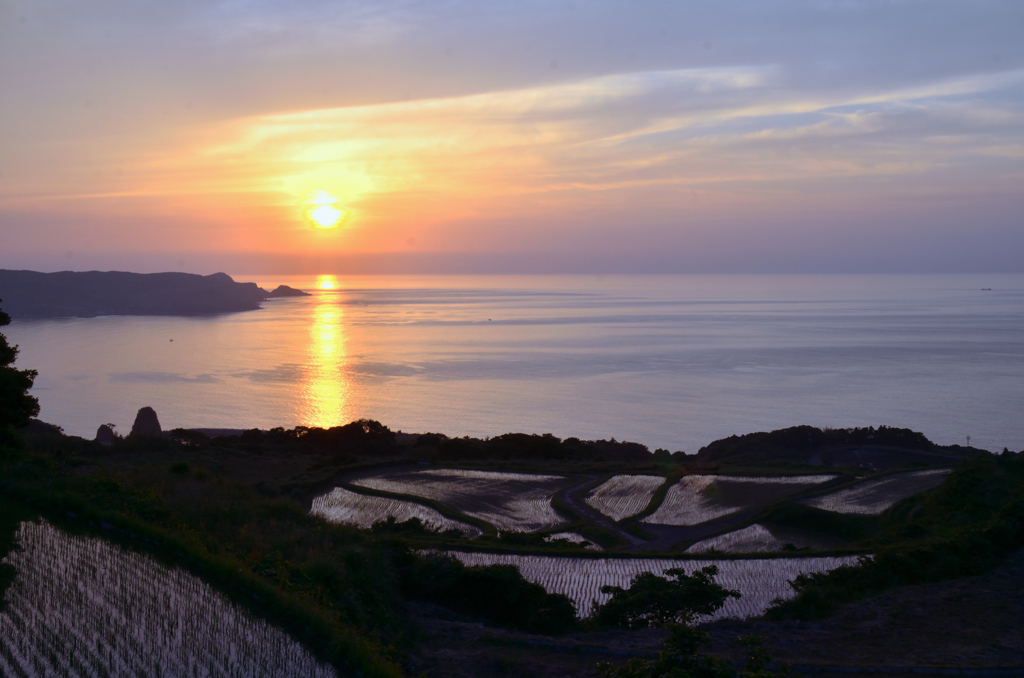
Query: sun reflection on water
326, 388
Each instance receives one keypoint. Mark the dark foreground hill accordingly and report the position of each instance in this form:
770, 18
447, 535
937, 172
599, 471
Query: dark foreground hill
941, 589
30, 294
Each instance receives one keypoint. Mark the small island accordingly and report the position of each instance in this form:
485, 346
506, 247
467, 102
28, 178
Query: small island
30, 294
286, 291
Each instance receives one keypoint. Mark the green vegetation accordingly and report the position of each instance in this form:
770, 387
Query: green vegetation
338, 590
359, 441
495, 592
16, 405
682, 658
796, 439
847, 526
806, 447
11, 514
332, 594
524, 447
962, 528
224, 509
673, 604
659, 601
234, 511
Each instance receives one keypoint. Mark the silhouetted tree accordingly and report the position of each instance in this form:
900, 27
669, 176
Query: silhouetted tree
674, 603
651, 600
16, 405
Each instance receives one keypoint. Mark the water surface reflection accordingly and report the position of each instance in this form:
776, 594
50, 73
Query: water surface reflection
326, 386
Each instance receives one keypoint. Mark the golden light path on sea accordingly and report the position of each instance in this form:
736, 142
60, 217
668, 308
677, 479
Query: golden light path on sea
327, 391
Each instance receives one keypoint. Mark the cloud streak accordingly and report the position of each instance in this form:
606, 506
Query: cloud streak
455, 127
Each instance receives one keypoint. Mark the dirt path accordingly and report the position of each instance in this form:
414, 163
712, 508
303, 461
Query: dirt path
573, 497
665, 536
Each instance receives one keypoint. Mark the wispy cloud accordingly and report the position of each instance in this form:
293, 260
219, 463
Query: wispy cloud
467, 126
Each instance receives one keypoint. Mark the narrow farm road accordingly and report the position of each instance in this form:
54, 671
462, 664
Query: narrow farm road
573, 498
665, 536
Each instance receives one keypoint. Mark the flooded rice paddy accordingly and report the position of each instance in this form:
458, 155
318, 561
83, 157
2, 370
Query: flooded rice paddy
759, 538
515, 502
759, 581
624, 496
699, 498
362, 510
82, 607
750, 539
872, 497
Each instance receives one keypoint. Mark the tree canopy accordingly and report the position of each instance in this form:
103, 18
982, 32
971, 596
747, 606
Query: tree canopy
16, 405
651, 600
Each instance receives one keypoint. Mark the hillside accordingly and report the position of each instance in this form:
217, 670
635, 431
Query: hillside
30, 294
878, 449
234, 511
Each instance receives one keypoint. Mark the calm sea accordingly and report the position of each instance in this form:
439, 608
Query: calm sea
668, 361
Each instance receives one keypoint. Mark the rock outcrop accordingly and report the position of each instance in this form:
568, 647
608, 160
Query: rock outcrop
146, 424
105, 434
285, 291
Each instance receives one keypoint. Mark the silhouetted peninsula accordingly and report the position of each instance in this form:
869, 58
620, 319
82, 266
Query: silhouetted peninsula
29, 294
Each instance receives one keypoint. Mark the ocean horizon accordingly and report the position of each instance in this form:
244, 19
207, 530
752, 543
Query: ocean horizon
669, 361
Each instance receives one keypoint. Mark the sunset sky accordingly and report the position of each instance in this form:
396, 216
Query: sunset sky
525, 136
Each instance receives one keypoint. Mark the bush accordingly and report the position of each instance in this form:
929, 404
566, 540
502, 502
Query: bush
658, 601
495, 592
17, 407
963, 528
680, 658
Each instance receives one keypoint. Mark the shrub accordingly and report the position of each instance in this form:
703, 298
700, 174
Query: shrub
16, 405
961, 529
495, 592
651, 600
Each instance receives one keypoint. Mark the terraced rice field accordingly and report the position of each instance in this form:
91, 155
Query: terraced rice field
764, 539
752, 539
574, 538
513, 502
362, 510
624, 496
758, 581
871, 497
698, 498
81, 606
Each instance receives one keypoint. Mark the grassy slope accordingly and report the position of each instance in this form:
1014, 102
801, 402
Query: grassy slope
223, 516
331, 588
963, 528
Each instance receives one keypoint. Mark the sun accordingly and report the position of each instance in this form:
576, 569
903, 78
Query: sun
324, 212
325, 216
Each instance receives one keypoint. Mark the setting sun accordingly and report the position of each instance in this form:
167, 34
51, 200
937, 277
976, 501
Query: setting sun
324, 213
325, 216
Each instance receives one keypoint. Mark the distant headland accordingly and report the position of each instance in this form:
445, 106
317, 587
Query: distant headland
30, 294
